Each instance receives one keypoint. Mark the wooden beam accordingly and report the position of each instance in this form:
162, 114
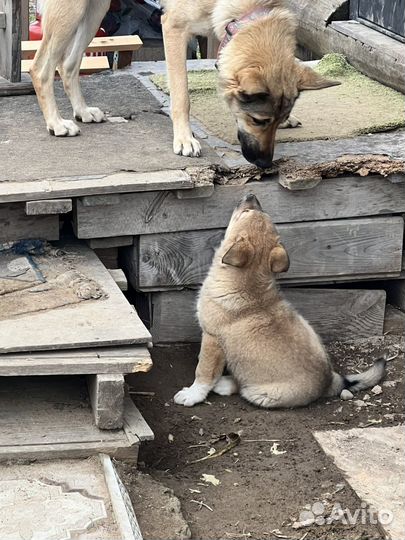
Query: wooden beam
2, 20
76, 361
98, 45
93, 187
48, 207
90, 64
115, 241
16, 225
319, 250
334, 313
106, 393
10, 40
25, 19
147, 213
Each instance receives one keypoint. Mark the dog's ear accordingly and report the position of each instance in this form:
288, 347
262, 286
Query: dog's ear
308, 79
279, 260
239, 254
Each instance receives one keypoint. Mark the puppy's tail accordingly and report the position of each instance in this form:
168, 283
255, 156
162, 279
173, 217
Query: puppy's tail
358, 381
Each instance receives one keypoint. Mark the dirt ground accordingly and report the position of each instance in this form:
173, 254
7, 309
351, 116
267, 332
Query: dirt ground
263, 487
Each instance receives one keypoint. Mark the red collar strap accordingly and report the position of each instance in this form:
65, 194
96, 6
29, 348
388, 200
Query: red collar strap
234, 26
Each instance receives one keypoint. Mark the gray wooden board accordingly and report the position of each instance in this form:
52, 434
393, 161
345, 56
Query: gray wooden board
48, 206
43, 416
10, 41
132, 359
334, 313
16, 225
143, 144
321, 249
106, 392
103, 322
156, 212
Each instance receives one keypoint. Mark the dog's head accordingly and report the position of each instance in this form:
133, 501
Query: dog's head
261, 80
252, 242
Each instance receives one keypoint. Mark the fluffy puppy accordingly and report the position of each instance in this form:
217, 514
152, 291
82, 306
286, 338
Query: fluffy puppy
275, 357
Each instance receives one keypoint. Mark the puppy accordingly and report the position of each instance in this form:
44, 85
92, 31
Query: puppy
273, 354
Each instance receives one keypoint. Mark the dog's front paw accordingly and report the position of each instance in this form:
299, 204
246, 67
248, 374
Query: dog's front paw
63, 128
187, 146
291, 122
90, 114
189, 396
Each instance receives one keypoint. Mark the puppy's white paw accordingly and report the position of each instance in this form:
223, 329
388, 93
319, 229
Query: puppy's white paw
226, 386
187, 146
90, 114
189, 396
63, 128
291, 122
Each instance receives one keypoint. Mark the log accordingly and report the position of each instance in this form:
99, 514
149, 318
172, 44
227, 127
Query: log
322, 250
335, 313
158, 212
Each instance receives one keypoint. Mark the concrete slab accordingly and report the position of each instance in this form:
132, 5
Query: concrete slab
142, 144
65, 499
373, 460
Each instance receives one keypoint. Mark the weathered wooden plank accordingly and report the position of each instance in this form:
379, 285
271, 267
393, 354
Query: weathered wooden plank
76, 362
109, 320
89, 64
394, 321
77, 186
106, 393
334, 313
135, 423
8, 88
120, 278
108, 256
98, 44
319, 250
2, 20
147, 213
43, 421
10, 40
113, 242
16, 225
48, 207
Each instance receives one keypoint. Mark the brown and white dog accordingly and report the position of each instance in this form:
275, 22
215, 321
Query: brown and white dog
273, 354
258, 74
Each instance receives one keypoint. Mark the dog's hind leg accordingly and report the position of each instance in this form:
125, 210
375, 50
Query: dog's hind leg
60, 22
70, 67
226, 386
279, 395
210, 366
175, 42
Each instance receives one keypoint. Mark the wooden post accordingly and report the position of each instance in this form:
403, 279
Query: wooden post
25, 20
107, 400
10, 40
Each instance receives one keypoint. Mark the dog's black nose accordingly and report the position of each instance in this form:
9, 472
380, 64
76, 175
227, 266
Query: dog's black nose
250, 201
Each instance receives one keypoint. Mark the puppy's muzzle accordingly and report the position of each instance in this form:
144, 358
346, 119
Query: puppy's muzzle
249, 202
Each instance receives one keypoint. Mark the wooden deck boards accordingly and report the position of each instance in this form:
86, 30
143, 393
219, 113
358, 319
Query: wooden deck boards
318, 250
108, 320
42, 418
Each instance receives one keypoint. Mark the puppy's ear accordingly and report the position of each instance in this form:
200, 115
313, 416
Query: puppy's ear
279, 260
239, 254
308, 79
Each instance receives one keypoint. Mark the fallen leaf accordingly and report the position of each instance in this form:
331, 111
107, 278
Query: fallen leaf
210, 479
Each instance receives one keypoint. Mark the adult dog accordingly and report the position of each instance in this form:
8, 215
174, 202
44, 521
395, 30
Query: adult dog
258, 74
274, 356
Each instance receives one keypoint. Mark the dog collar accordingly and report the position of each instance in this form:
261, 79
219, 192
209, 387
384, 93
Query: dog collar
235, 25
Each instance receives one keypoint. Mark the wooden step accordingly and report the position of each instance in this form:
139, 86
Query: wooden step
63, 299
106, 360
90, 64
98, 45
49, 418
